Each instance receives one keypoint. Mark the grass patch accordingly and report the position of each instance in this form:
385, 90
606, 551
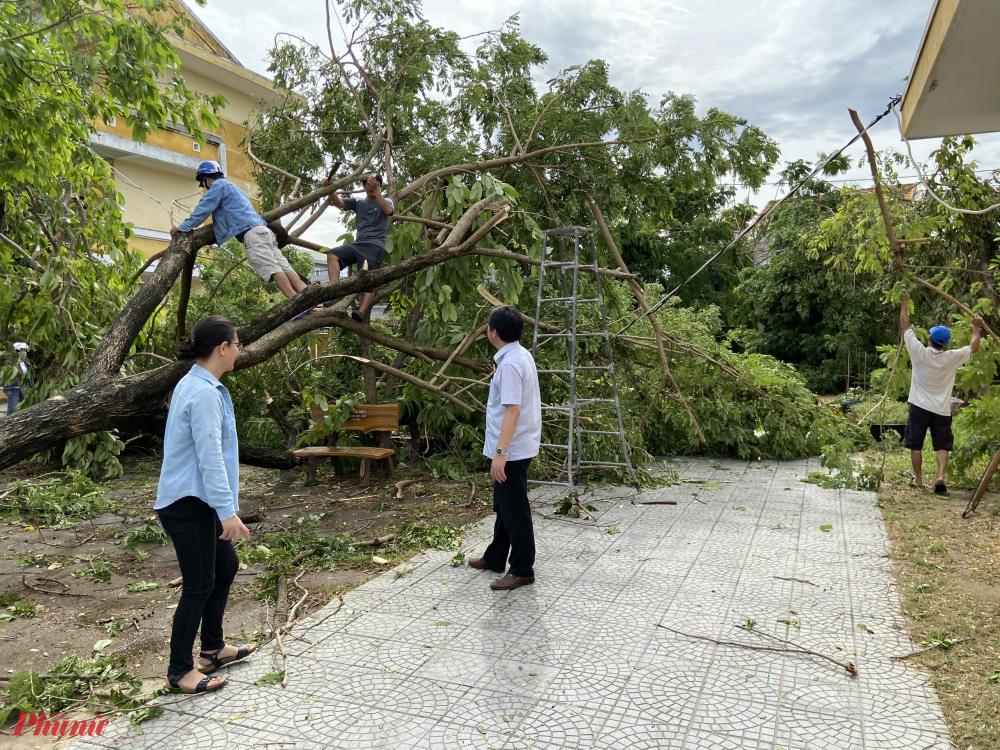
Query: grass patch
948, 573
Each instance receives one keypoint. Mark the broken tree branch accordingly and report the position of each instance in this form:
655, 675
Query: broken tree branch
32, 263
641, 299
894, 242
848, 666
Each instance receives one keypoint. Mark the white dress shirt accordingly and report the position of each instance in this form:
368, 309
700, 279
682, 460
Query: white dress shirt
514, 382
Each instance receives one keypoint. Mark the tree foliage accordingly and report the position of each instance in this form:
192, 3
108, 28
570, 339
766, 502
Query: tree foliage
480, 160
66, 266
798, 306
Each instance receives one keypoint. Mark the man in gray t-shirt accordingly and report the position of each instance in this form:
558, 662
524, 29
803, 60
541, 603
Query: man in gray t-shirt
369, 242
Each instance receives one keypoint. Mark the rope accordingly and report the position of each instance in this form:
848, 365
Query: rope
923, 180
119, 173
761, 216
175, 203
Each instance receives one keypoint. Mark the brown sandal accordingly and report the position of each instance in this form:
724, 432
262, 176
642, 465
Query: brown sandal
242, 652
201, 687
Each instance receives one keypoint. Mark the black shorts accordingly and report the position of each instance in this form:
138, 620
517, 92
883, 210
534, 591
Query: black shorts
356, 254
916, 430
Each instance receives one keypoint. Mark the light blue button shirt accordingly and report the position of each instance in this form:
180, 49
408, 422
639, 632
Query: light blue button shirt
230, 209
514, 382
201, 456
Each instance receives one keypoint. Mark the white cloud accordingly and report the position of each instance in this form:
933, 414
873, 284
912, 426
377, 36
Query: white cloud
790, 66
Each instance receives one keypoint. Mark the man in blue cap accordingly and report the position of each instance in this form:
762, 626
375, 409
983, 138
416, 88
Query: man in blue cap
234, 216
930, 391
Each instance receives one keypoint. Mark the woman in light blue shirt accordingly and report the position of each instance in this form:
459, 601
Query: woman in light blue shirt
197, 500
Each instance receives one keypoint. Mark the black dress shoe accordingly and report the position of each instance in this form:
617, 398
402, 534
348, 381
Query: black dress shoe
357, 316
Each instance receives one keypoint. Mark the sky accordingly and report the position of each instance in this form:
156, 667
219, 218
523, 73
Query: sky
791, 67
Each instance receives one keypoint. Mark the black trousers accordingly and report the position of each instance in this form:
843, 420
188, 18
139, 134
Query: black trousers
513, 534
209, 565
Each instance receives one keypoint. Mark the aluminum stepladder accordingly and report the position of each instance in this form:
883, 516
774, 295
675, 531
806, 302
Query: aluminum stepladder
570, 302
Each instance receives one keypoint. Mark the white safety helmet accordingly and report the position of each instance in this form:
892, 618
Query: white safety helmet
20, 346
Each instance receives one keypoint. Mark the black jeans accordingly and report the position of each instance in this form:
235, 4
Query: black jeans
512, 533
209, 565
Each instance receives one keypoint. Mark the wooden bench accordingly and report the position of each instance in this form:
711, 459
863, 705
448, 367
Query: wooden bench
382, 419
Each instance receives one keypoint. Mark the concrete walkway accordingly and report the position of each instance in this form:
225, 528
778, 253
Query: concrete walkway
431, 658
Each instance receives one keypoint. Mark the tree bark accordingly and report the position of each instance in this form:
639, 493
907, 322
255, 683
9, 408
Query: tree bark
268, 458
103, 401
114, 348
185, 296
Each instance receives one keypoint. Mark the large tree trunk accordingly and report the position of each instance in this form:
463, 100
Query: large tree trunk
103, 401
268, 458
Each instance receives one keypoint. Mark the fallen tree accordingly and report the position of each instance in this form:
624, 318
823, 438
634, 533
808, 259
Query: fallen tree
476, 176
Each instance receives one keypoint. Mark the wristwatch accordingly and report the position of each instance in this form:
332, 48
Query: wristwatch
501, 452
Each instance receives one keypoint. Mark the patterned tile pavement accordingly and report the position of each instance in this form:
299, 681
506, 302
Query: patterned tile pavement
433, 658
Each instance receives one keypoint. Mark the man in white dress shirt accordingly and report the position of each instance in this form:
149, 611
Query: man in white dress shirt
513, 434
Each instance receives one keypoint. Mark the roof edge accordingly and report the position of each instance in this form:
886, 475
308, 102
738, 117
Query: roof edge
190, 12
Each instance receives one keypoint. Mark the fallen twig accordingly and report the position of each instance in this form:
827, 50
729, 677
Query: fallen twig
281, 603
376, 541
64, 592
303, 555
284, 658
320, 501
176, 582
848, 666
305, 595
928, 648
797, 580
57, 544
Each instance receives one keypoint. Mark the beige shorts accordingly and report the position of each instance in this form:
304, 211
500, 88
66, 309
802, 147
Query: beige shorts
262, 253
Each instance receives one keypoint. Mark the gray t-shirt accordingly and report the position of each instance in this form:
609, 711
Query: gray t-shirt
373, 225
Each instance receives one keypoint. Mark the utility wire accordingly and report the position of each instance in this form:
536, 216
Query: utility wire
920, 174
761, 216
844, 180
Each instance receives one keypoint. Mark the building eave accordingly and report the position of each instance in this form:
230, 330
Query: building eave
953, 88
228, 73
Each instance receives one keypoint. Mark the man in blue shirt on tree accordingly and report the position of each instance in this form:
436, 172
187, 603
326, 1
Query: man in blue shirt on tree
234, 216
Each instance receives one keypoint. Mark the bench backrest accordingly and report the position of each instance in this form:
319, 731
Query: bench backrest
366, 417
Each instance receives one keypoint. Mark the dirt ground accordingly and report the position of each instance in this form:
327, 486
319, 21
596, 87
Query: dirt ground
948, 573
78, 613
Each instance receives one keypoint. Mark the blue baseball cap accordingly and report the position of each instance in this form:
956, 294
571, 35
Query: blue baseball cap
940, 335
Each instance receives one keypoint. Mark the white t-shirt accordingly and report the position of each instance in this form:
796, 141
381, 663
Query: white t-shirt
933, 374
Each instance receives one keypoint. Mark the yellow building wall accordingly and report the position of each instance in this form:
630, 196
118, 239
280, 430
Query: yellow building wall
171, 140
155, 198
